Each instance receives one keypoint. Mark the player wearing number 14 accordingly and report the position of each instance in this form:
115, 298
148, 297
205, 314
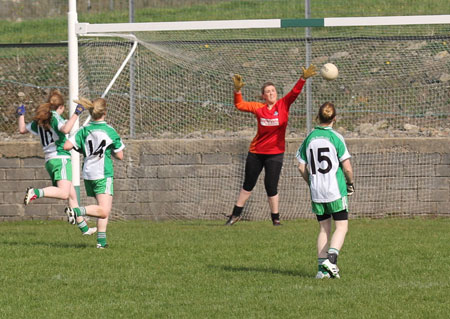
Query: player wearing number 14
324, 163
97, 141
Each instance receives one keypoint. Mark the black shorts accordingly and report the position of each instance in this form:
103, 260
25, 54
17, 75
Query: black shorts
342, 215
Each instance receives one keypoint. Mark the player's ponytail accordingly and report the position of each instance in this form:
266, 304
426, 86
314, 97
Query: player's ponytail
97, 108
43, 113
327, 113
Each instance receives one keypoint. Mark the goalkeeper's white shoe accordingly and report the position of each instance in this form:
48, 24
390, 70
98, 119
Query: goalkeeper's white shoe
322, 275
90, 231
71, 216
332, 269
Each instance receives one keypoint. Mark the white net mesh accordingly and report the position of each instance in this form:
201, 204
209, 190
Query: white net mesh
393, 82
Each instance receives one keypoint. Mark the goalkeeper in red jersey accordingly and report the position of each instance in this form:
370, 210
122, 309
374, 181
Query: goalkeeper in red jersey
268, 146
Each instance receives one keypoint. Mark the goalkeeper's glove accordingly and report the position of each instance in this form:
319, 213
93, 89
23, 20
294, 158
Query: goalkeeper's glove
20, 110
79, 109
309, 72
350, 189
238, 82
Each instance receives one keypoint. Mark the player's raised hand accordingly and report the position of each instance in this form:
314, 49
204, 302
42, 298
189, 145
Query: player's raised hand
238, 82
350, 189
79, 109
309, 72
20, 110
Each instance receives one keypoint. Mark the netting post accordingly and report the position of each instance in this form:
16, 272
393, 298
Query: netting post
132, 78
307, 62
73, 87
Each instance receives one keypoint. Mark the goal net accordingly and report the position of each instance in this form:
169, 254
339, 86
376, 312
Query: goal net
187, 143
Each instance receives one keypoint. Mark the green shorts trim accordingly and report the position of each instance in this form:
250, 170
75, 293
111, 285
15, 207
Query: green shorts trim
331, 207
99, 186
59, 169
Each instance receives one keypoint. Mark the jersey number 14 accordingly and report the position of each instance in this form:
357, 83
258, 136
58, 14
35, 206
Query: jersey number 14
98, 151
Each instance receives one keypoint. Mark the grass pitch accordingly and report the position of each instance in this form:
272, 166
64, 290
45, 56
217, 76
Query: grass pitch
390, 268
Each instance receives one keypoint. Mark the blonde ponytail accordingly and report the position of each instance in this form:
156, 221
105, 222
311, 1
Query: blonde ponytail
97, 108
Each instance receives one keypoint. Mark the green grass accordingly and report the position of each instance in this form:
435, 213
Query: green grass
390, 268
55, 29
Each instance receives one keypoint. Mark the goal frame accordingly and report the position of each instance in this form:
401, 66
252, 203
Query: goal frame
77, 29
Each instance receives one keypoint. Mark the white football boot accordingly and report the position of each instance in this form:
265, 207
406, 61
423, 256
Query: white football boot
331, 268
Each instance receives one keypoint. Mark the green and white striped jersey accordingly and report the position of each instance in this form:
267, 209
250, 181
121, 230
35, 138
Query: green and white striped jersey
52, 139
322, 151
96, 141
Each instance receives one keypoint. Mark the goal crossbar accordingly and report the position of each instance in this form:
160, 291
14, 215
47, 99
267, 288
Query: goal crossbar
87, 28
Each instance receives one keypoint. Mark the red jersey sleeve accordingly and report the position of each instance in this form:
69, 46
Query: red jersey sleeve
293, 94
245, 106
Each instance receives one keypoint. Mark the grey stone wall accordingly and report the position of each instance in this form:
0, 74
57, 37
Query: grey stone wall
200, 179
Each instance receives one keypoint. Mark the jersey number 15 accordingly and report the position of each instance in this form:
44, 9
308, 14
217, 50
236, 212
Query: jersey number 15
320, 158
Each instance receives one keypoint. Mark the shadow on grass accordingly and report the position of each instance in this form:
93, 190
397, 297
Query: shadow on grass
204, 223
45, 244
295, 273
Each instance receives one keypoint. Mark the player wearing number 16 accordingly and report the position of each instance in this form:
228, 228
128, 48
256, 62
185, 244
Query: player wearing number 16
324, 163
97, 141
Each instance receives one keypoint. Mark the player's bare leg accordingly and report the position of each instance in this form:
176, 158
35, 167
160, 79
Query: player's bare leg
337, 240
243, 197
323, 239
105, 202
80, 220
101, 211
61, 191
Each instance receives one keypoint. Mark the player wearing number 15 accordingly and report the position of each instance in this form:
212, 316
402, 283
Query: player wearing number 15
97, 141
324, 163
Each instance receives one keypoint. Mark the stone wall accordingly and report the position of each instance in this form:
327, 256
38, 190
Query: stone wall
200, 179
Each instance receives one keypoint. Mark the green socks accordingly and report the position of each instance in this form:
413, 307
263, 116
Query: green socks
79, 211
83, 226
320, 262
38, 192
101, 238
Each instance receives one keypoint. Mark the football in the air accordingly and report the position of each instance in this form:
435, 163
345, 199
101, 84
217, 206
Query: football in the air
329, 71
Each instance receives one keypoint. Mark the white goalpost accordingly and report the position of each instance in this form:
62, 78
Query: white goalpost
393, 79
74, 79
73, 86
